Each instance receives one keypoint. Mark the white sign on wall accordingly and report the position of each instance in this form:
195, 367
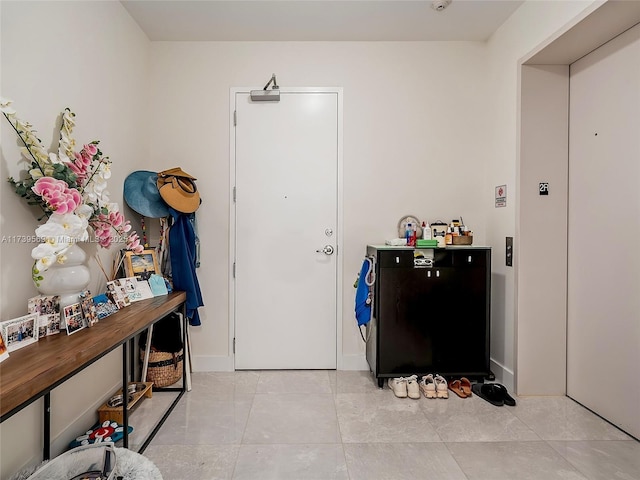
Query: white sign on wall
501, 196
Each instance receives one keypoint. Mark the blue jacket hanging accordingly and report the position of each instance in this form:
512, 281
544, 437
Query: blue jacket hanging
182, 250
363, 303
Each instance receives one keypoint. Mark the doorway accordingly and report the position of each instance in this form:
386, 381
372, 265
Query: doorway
285, 229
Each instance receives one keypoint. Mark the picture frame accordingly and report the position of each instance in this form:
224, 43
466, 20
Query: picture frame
74, 318
20, 332
104, 306
88, 308
141, 265
47, 307
118, 290
4, 353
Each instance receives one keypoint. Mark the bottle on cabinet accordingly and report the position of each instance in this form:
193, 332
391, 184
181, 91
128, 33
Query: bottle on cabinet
426, 231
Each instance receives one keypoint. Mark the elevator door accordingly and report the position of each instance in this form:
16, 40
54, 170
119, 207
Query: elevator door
603, 324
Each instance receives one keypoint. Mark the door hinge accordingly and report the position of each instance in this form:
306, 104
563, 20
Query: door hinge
234, 269
234, 344
235, 118
234, 194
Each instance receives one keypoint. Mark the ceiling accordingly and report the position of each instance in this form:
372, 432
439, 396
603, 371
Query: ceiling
318, 20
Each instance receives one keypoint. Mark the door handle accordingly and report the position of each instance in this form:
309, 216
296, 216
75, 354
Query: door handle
327, 250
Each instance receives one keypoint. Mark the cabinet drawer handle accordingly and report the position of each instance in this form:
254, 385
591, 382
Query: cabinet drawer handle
438, 273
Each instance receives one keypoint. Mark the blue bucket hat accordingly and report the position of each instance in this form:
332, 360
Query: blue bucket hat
142, 195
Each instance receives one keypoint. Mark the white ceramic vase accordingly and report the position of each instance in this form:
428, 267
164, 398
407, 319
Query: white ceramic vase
69, 279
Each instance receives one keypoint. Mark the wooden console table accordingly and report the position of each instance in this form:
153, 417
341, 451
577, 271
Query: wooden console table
34, 371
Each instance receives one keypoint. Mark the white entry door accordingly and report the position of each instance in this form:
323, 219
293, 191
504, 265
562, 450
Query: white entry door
286, 180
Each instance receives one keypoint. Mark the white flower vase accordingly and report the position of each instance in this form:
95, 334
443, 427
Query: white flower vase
68, 279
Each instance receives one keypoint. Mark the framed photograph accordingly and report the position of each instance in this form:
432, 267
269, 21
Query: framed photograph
88, 308
47, 307
4, 354
104, 306
118, 290
20, 332
73, 318
141, 265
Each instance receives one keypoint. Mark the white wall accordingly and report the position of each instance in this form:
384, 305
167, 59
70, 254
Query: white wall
541, 279
533, 24
415, 142
91, 57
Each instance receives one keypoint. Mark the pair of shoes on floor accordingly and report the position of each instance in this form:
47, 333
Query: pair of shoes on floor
434, 386
404, 387
494, 393
461, 387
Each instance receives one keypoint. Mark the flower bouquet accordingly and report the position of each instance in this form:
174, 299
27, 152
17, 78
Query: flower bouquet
70, 188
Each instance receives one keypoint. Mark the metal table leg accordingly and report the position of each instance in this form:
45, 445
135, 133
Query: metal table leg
125, 397
46, 452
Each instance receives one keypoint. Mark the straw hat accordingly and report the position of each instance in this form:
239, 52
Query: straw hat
178, 189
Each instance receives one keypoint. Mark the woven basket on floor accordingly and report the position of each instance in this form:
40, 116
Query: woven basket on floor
164, 368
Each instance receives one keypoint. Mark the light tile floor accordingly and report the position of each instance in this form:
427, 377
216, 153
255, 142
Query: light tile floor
328, 425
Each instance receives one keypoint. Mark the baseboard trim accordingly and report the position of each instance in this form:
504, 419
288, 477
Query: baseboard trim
218, 363
353, 362
212, 363
504, 375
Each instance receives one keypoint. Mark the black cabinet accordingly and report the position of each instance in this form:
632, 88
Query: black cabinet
430, 319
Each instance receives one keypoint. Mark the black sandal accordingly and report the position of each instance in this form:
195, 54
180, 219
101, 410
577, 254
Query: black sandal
508, 399
488, 392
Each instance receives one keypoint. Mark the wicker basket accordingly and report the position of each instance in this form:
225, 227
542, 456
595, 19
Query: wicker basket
462, 240
164, 368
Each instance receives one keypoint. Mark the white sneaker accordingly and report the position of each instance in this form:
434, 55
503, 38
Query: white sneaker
428, 386
399, 386
441, 386
412, 387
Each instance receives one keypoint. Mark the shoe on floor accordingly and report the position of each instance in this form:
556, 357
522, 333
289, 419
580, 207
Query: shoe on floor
489, 392
399, 386
461, 387
465, 385
506, 398
456, 387
428, 386
412, 387
441, 386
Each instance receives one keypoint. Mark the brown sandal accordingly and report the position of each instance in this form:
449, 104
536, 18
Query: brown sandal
465, 386
456, 387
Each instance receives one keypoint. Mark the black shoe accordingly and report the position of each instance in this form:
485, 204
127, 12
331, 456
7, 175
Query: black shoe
508, 399
488, 392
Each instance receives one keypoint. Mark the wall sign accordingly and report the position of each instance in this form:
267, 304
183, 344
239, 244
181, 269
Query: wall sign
501, 196
543, 188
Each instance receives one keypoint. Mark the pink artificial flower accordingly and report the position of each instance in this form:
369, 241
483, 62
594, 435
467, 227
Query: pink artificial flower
91, 149
133, 243
116, 218
105, 241
58, 196
81, 173
79, 167
85, 158
102, 231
